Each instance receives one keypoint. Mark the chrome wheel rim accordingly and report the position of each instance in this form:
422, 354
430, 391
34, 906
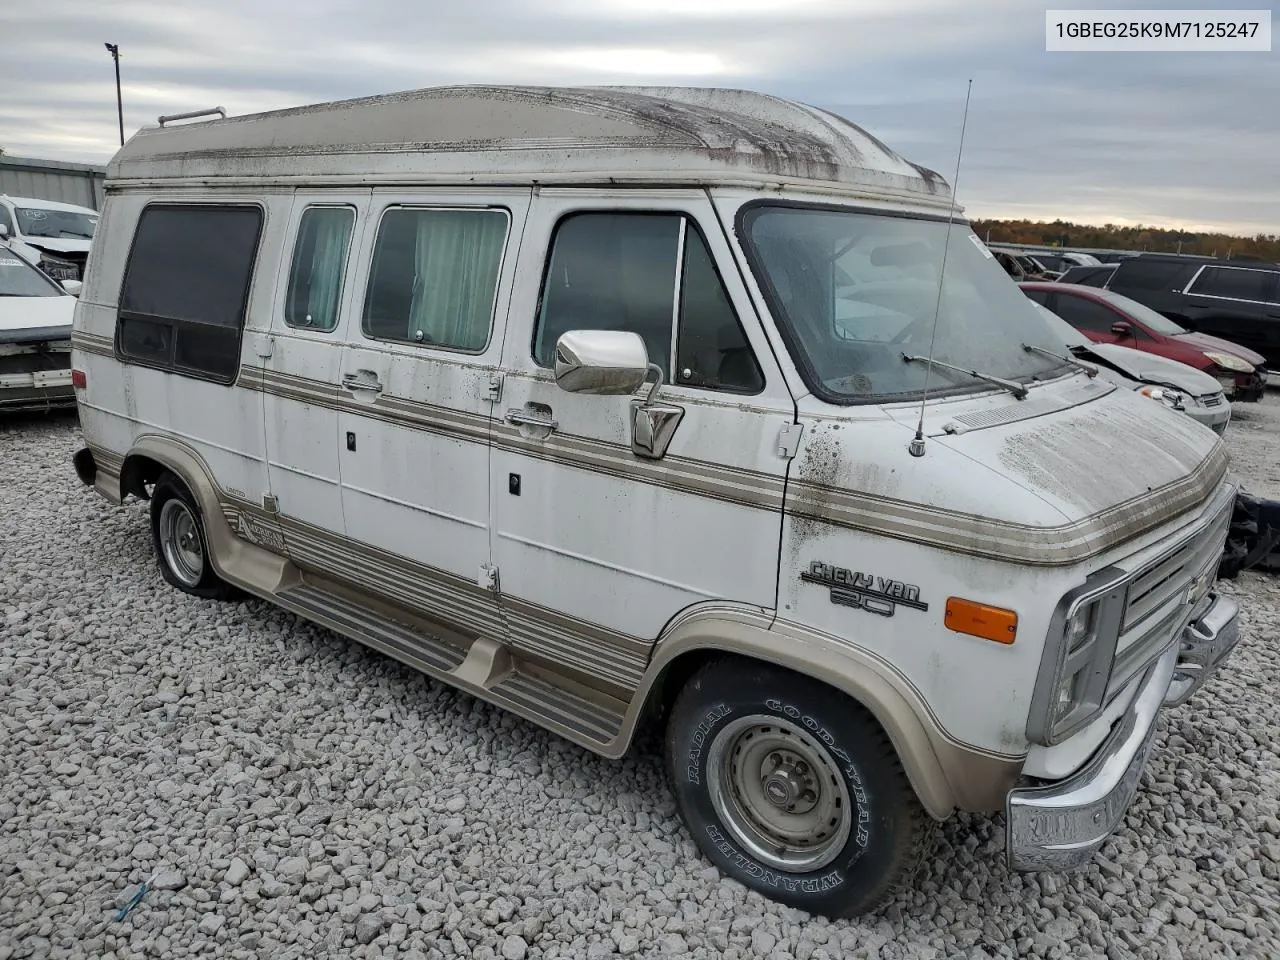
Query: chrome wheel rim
779, 794
180, 542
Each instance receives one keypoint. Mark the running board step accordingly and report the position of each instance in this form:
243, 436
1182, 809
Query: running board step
589, 721
487, 670
337, 613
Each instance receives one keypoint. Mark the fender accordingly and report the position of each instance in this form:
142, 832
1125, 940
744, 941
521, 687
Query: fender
945, 774
235, 560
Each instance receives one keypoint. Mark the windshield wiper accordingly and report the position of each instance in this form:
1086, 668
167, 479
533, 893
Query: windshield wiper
1088, 368
1017, 389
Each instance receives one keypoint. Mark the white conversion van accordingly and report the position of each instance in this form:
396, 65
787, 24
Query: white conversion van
602, 404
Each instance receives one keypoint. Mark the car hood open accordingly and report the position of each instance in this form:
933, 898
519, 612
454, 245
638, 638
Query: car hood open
1151, 368
56, 245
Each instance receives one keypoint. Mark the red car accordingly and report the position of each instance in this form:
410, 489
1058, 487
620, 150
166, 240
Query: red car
1106, 317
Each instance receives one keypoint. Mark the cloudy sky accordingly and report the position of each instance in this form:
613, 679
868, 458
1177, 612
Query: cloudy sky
1184, 140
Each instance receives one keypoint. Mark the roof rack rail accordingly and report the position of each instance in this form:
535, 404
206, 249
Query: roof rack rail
193, 114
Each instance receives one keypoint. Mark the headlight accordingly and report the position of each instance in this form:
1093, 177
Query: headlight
1170, 398
1078, 658
58, 268
1227, 362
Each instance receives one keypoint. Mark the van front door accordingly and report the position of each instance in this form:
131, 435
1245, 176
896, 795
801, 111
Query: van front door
601, 534
415, 402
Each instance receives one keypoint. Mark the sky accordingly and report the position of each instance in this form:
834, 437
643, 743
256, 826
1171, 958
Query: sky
1177, 140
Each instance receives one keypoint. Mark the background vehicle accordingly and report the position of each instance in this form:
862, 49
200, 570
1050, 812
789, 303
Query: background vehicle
35, 337
56, 236
1089, 275
1237, 300
1174, 384
1107, 317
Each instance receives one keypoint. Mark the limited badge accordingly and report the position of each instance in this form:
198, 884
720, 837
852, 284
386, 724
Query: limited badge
862, 591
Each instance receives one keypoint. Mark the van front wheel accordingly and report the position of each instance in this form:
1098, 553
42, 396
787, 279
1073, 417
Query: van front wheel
793, 789
181, 547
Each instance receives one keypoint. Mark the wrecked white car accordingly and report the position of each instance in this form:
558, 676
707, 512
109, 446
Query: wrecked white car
1174, 384
35, 337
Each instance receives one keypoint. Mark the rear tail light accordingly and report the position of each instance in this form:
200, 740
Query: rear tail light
78, 379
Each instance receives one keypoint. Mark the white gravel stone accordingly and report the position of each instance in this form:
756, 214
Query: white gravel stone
312, 793
237, 873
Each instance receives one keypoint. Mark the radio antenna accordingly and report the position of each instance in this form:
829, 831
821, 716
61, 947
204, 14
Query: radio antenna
917, 442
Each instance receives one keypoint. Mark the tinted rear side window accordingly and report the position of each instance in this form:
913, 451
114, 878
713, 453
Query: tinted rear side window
1140, 274
1084, 314
1235, 283
186, 288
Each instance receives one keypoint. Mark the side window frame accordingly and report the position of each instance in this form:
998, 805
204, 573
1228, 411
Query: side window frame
170, 365
1273, 289
370, 273
344, 273
687, 220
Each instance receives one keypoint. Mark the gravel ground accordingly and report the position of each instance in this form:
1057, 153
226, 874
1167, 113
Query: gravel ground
302, 796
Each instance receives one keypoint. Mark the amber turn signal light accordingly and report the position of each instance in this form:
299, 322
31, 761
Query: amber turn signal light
979, 620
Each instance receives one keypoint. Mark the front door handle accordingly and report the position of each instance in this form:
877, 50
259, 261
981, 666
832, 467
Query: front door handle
524, 419
362, 380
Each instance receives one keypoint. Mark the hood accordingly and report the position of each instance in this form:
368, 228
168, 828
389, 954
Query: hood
58, 245
1100, 466
1151, 368
1203, 341
20, 315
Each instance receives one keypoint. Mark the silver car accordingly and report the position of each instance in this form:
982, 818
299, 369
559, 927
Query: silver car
1174, 384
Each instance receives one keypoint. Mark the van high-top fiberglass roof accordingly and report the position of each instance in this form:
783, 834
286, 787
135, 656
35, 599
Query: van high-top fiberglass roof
525, 135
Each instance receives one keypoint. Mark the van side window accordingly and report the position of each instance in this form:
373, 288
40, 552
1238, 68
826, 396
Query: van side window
434, 278
186, 288
319, 262
1235, 283
618, 271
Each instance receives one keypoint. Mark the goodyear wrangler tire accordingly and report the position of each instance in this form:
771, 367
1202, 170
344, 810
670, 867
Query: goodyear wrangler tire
182, 550
793, 789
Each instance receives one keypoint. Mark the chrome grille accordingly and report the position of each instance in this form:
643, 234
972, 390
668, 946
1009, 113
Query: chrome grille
1161, 596
1213, 400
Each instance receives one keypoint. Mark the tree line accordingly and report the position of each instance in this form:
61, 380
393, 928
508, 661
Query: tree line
1063, 233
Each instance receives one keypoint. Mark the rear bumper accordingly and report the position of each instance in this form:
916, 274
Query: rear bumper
1059, 826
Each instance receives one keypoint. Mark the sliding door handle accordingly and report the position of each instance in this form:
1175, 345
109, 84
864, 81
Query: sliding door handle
362, 380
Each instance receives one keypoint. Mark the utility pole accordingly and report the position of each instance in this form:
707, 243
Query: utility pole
114, 50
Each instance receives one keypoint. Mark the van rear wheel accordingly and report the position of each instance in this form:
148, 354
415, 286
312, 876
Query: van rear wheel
793, 789
182, 550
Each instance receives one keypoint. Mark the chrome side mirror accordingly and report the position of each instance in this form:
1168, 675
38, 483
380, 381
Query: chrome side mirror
616, 362
601, 362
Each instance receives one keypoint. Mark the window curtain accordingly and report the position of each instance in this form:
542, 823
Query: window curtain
332, 231
457, 255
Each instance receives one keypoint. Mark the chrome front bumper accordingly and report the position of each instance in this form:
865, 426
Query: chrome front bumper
1060, 825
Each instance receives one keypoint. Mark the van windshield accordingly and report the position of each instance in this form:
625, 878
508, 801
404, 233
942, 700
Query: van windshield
855, 291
